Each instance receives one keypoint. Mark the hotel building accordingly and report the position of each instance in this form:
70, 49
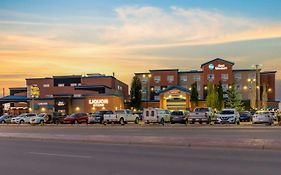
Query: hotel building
171, 88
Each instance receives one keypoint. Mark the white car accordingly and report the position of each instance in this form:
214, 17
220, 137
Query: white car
39, 119
263, 117
156, 115
23, 118
228, 116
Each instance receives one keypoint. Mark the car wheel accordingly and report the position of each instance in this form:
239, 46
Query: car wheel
3, 122
200, 122
76, 122
121, 121
57, 122
21, 122
238, 122
42, 122
162, 122
137, 121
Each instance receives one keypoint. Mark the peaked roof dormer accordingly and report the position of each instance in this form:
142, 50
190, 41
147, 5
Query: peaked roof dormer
217, 59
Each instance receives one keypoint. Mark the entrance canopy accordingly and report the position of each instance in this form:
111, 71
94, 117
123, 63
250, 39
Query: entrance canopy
175, 98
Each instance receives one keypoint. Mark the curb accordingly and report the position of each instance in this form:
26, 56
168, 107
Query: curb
269, 144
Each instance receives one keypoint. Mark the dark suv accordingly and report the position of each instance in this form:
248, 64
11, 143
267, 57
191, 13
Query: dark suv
55, 117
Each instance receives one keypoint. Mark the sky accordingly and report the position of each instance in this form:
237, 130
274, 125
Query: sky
40, 38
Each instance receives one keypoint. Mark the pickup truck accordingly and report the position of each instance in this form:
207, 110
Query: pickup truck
121, 116
201, 114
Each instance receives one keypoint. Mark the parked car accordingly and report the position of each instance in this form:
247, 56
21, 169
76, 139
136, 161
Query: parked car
54, 117
39, 119
6, 118
229, 116
121, 116
245, 116
140, 114
262, 117
201, 114
97, 117
274, 115
179, 117
156, 115
23, 118
76, 118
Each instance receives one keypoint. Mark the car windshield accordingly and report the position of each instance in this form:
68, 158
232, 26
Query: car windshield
41, 115
177, 113
244, 113
73, 115
201, 110
120, 112
227, 112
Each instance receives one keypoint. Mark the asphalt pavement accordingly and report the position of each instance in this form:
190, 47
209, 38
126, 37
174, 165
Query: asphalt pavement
67, 158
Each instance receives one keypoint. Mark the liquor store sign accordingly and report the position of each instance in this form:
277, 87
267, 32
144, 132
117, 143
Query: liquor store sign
98, 102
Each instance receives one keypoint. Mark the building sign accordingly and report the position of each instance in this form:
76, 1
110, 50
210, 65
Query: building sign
60, 103
221, 67
34, 91
98, 102
43, 104
174, 92
211, 66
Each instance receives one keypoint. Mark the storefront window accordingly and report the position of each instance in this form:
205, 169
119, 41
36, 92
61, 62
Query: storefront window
224, 77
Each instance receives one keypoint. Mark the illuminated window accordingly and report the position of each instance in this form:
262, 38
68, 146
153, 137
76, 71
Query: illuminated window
46, 85
183, 78
60, 85
157, 79
170, 78
73, 84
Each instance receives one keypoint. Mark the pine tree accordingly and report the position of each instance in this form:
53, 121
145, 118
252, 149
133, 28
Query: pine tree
136, 93
212, 97
234, 99
194, 93
264, 97
220, 96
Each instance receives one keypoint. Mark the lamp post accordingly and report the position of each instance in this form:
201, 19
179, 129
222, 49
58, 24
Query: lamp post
257, 69
252, 93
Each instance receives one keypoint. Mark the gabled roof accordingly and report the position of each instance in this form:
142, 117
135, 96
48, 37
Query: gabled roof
217, 59
174, 87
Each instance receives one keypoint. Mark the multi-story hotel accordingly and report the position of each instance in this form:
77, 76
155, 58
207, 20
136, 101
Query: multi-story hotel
69, 94
170, 88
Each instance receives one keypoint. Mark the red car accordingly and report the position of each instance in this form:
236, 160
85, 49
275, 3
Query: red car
76, 118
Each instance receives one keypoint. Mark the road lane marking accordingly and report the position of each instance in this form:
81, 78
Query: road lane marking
61, 155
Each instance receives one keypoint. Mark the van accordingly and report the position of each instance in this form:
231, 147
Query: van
156, 115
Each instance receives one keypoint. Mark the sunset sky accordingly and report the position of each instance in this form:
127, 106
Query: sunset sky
57, 37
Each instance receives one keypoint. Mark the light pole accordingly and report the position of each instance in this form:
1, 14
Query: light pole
257, 69
252, 93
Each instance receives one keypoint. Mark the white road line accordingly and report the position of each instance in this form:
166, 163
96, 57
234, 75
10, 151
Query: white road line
61, 155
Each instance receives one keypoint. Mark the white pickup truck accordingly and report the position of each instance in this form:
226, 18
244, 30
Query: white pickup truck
121, 116
201, 114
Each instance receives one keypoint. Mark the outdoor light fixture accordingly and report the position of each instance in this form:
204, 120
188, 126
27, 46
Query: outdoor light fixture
149, 75
43, 109
77, 108
269, 90
245, 87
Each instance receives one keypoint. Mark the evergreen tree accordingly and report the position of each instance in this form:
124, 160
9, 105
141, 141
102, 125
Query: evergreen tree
136, 93
234, 99
220, 103
194, 93
264, 97
212, 96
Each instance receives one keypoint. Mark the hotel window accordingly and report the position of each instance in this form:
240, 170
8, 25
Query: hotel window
183, 78
79, 84
46, 85
157, 79
237, 76
157, 88
170, 78
156, 97
196, 78
224, 77
224, 87
60, 85
144, 80
211, 77
49, 96
73, 84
